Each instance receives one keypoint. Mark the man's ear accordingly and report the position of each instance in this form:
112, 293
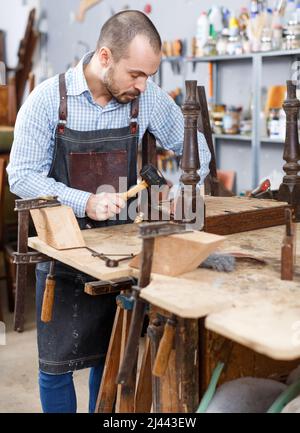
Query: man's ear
105, 56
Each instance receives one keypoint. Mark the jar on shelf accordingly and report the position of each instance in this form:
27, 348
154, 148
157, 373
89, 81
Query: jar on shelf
277, 38
210, 48
231, 120
291, 40
273, 125
266, 40
234, 46
216, 115
222, 42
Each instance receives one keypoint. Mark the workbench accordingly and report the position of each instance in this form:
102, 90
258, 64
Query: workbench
250, 305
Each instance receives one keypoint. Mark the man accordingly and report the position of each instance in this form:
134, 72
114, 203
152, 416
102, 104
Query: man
74, 133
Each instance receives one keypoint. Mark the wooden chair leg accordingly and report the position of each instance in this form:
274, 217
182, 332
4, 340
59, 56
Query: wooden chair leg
10, 272
143, 395
1, 312
126, 393
108, 387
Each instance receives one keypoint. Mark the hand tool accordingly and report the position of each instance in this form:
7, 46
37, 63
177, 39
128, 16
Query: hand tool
262, 188
110, 263
23, 257
48, 298
113, 263
151, 176
148, 232
165, 347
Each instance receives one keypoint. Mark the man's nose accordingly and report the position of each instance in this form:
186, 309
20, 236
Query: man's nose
141, 84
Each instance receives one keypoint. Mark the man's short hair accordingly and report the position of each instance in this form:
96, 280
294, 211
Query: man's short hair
119, 30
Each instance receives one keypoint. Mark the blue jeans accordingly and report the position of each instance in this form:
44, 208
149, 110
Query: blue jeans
57, 391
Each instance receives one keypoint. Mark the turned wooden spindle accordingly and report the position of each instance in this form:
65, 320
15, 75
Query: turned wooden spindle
212, 184
289, 189
190, 162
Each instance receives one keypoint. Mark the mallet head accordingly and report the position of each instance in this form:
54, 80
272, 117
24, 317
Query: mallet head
152, 176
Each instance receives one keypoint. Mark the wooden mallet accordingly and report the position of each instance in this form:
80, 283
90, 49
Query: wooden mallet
151, 176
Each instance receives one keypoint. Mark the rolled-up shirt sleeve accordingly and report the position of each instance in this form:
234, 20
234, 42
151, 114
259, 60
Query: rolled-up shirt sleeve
167, 125
31, 157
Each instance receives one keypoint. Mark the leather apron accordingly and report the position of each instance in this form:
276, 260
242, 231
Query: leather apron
79, 333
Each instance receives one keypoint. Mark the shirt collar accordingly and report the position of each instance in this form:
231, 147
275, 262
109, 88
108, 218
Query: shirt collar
78, 83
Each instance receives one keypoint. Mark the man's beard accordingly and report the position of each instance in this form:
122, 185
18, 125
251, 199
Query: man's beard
112, 88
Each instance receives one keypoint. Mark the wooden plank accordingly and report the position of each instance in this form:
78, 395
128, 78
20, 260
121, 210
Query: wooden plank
126, 393
109, 240
253, 305
240, 362
108, 387
269, 328
186, 298
178, 254
143, 395
58, 227
228, 215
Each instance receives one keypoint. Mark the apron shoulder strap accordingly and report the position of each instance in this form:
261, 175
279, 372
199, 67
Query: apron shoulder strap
63, 108
134, 115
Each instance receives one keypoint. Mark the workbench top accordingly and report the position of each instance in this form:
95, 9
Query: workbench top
250, 305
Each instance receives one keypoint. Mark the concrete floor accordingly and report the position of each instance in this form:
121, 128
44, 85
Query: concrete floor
19, 365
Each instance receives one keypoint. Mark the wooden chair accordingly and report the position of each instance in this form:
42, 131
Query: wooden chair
213, 185
21, 72
228, 179
6, 248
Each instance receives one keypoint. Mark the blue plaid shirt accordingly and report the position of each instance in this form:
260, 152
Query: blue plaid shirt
32, 150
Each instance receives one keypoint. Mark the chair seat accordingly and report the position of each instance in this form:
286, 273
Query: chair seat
6, 138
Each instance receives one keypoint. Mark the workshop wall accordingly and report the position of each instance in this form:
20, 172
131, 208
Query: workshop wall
13, 18
65, 40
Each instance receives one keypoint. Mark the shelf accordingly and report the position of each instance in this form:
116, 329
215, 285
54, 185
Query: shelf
272, 140
218, 58
226, 57
238, 137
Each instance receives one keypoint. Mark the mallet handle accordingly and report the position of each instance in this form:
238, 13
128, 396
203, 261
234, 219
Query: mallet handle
133, 191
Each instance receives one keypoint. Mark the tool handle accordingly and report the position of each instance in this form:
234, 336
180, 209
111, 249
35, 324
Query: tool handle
48, 300
164, 350
131, 350
133, 191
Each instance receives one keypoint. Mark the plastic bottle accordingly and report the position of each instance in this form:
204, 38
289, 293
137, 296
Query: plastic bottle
290, 12
216, 18
254, 6
202, 33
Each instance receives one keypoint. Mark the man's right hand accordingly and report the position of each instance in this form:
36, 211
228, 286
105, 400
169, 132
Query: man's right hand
103, 206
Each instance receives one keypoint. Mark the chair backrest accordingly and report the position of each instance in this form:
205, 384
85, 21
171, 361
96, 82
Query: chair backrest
228, 179
212, 184
25, 56
8, 108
